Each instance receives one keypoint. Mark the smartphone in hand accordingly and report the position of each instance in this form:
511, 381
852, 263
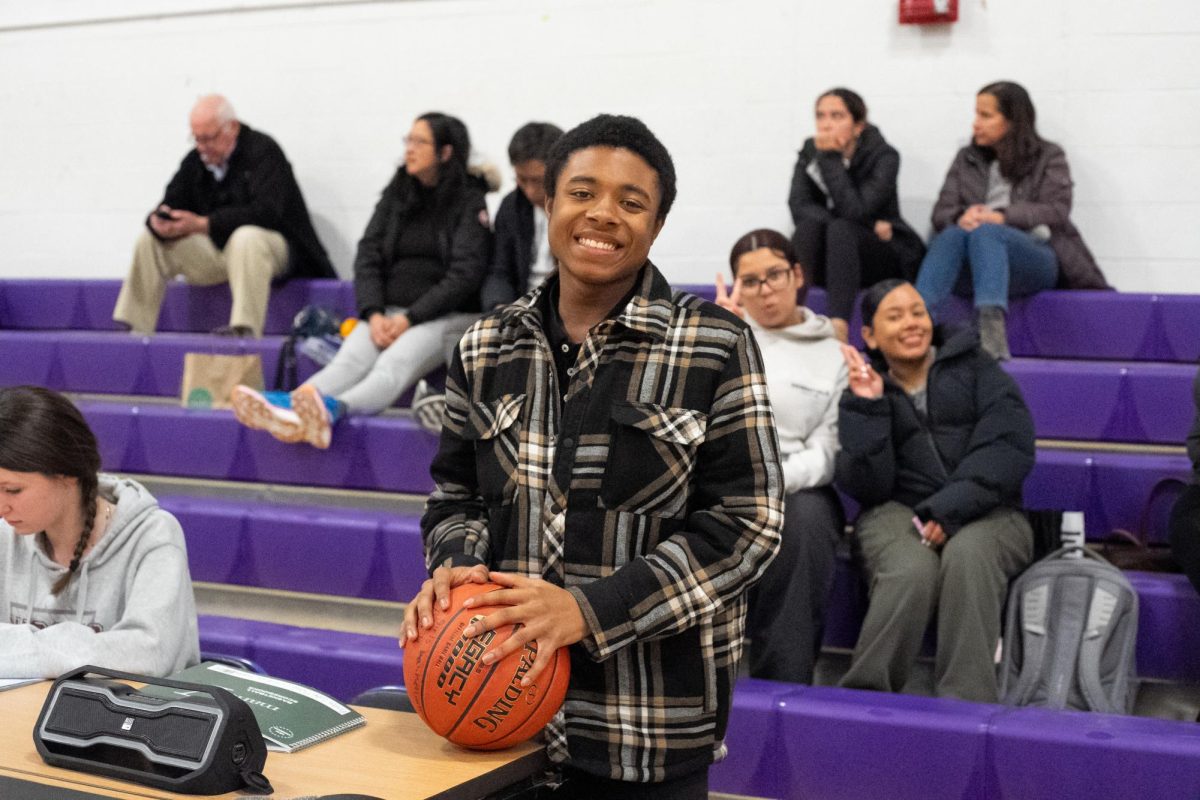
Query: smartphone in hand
163, 214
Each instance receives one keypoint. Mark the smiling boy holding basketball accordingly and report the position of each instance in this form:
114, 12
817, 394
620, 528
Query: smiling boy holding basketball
609, 456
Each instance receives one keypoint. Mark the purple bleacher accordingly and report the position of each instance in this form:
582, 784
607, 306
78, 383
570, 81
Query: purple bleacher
752, 768
312, 550
215, 532
28, 358
338, 663
1105, 401
1035, 753
404, 555
1112, 489
841, 744
387, 453
362, 553
88, 304
1168, 626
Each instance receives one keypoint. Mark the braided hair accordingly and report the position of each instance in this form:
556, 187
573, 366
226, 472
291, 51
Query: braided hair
41, 431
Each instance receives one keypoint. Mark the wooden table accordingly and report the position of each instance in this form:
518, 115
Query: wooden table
394, 756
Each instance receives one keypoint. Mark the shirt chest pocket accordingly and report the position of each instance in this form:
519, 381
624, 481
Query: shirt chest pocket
651, 458
495, 428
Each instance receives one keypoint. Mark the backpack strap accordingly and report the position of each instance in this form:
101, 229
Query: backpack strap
285, 367
1034, 619
1112, 611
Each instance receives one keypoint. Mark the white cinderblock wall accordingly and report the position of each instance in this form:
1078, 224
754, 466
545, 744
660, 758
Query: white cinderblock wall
94, 100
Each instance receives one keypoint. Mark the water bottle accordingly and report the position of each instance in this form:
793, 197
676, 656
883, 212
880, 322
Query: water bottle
1071, 533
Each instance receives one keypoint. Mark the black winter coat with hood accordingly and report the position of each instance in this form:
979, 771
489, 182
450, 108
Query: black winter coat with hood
864, 192
968, 456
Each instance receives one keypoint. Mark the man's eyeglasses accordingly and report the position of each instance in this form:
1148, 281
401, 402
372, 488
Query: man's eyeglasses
775, 278
209, 138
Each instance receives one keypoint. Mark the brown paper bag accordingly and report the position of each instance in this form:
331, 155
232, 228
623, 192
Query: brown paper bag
209, 378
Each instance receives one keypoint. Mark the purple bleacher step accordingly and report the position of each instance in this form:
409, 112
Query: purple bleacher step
387, 453
338, 663
1145, 403
88, 304
121, 363
362, 553
842, 744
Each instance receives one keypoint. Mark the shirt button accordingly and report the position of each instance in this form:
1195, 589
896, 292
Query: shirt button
571, 371
568, 443
566, 348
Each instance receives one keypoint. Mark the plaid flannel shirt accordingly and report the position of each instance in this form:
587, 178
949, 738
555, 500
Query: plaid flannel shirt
652, 492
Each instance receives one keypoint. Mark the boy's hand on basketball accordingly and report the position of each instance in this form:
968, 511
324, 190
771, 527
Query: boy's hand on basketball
546, 613
437, 590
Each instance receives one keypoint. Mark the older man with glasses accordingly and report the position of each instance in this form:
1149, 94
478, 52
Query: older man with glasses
232, 213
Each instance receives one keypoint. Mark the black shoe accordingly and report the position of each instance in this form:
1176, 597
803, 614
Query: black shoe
234, 330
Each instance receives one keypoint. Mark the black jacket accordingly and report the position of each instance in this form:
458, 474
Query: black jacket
1193, 439
508, 276
969, 457
1043, 197
259, 189
464, 246
864, 192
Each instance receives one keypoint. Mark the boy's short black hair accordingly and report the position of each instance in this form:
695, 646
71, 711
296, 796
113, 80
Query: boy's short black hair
610, 130
532, 142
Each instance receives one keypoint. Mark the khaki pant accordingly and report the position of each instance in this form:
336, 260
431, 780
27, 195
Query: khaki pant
965, 583
250, 259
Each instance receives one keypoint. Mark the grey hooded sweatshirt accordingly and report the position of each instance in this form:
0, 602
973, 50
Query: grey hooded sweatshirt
129, 607
805, 377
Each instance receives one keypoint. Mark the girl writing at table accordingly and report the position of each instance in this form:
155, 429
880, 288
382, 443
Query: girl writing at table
94, 572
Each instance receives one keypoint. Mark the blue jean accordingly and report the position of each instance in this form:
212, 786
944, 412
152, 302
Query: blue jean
1004, 262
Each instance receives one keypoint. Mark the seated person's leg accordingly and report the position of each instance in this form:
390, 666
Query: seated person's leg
253, 257
155, 263
903, 576
416, 353
977, 563
787, 606
1185, 533
941, 267
1007, 262
809, 243
352, 362
843, 265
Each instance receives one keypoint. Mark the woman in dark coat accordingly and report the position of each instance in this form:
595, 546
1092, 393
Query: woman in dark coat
1003, 214
936, 443
1185, 515
849, 232
417, 275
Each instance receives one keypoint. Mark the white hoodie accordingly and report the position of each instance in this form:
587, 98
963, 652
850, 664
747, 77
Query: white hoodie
129, 607
805, 378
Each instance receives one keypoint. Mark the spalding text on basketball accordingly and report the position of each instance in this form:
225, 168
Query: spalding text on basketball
512, 693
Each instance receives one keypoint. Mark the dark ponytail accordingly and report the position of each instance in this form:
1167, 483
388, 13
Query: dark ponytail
41, 431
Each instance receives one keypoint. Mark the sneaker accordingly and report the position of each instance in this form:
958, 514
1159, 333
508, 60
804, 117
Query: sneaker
429, 407
255, 410
315, 420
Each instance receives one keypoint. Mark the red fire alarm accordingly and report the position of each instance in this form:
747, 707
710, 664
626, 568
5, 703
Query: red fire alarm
928, 12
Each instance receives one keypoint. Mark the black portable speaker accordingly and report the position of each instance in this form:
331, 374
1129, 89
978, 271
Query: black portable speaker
205, 743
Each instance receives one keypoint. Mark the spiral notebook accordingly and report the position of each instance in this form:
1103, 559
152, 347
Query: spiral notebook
290, 715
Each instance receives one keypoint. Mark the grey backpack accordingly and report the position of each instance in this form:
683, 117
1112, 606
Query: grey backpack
1070, 635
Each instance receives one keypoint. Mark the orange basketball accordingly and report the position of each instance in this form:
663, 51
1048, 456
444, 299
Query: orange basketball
473, 704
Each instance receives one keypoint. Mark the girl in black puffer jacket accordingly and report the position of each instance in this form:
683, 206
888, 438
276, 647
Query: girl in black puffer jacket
936, 443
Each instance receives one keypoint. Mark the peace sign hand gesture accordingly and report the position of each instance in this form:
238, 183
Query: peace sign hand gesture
864, 380
730, 302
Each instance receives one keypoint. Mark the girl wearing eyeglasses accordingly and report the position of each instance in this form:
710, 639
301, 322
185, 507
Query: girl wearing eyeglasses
417, 276
805, 377
95, 572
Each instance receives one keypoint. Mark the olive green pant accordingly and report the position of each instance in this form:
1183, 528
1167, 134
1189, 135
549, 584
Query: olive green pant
965, 583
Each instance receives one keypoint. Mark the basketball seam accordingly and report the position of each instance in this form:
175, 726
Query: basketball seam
429, 660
